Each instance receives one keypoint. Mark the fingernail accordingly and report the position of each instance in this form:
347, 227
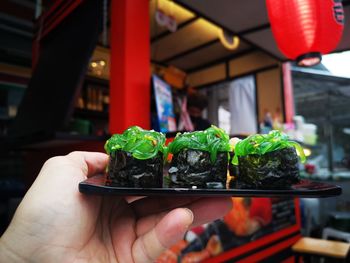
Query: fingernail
190, 214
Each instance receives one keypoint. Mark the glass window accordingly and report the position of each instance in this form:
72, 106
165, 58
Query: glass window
324, 100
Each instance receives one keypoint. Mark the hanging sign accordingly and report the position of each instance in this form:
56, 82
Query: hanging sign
166, 20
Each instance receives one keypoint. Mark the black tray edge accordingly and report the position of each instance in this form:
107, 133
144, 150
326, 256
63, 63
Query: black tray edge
330, 190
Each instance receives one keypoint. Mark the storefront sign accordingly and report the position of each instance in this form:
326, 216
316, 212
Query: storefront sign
164, 105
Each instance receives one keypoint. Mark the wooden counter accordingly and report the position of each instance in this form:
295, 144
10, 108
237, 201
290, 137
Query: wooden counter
321, 247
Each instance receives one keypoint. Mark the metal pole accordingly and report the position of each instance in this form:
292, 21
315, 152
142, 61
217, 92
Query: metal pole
329, 132
38, 8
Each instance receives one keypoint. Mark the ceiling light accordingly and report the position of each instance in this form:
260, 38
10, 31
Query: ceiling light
97, 67
228, 40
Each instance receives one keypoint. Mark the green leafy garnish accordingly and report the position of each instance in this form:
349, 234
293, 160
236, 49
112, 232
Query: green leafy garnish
212, 140
142, 144
264, 143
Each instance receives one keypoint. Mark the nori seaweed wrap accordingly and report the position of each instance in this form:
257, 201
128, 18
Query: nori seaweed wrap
199, 159
268, 161
136, 158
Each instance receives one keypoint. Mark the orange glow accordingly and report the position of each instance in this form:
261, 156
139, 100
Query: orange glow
173, 9
230, 44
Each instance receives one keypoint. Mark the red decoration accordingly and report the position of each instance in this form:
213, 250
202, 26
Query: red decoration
305, 29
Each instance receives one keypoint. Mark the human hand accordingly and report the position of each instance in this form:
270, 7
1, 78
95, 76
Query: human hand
56, 223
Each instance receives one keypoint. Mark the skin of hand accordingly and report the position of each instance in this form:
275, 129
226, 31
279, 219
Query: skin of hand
56, 223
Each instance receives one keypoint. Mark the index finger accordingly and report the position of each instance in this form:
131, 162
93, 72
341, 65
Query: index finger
205, 209
156, 204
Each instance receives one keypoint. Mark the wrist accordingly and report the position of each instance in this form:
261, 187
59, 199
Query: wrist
15, 245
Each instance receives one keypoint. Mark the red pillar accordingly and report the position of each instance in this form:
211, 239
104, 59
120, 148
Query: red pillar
129, 65
288, 93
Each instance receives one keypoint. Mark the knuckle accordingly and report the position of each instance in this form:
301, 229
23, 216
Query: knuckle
74, 154
53, 160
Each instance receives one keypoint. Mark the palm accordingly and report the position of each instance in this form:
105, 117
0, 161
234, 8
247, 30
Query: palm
114, 219
58, 224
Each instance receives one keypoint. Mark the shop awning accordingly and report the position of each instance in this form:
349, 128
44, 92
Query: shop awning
190, 48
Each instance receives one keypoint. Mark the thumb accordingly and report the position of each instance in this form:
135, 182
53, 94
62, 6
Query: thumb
166, 233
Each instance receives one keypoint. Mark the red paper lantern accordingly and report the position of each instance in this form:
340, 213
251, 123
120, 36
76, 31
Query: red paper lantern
305, 29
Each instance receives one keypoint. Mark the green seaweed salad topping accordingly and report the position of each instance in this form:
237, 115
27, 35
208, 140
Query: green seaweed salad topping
212, 140
142, 144
264, 143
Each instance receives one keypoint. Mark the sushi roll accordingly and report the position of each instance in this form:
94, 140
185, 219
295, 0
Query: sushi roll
136, 158
199, 159
267, 161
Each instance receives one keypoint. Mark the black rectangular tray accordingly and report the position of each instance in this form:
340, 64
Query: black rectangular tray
96, 186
